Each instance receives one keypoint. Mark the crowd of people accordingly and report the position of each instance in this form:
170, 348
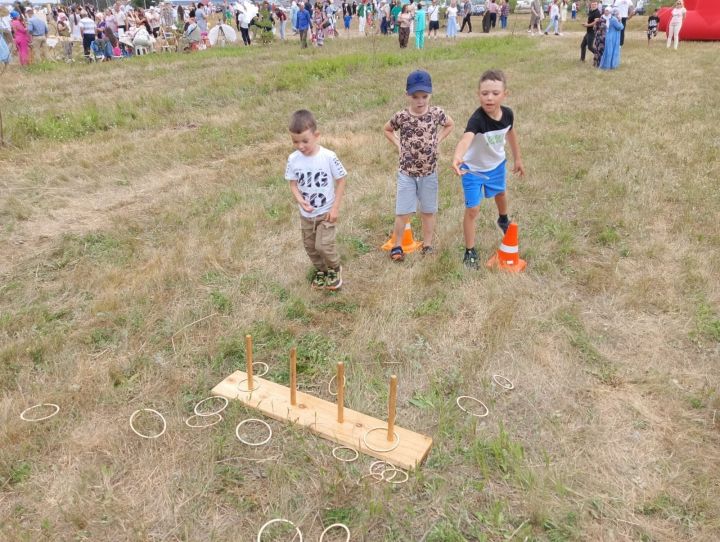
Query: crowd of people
123, 30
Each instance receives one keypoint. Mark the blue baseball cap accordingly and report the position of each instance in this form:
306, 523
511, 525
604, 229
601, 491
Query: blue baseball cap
419, 81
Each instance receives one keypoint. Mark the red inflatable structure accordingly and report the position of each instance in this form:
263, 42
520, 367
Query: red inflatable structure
702, 21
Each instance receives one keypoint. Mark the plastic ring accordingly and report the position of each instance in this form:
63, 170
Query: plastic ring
278, 520
132, 417
487, 410
395, 470
266, 371
381, 474
248, 390
499, 379
335, 394
56, 407
202, 416
390, 449
341, 525
337, 448
210, 399
237, 432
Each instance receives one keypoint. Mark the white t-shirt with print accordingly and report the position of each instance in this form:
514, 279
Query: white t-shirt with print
433, 12
315, 176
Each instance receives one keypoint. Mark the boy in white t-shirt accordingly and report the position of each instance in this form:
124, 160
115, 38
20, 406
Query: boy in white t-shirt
317, 180
480, 157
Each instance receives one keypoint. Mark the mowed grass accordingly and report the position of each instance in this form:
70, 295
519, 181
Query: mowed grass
147, 228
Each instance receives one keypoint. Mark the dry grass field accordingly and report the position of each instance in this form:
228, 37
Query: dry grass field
146, 228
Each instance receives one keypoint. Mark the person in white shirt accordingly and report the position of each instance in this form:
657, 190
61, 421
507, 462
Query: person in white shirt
433, 12
554, 18
452, 25
626, 10
676, 21
87, 28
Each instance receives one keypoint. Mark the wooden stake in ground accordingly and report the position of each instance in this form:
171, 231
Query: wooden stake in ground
293, 376
340, 379
392, 403
249, 360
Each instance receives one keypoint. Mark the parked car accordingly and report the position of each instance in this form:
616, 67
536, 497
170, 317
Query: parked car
478, 7
522, 6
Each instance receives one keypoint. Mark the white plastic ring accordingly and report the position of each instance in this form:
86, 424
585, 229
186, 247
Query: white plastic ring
257, 385
395, 470
338, 448
499, 379
341, 526
237, 432
266, 371
487, 410
390, 449
210, 399
56, 407
385, 466
335, 394
132, 417
278, 520
203, 417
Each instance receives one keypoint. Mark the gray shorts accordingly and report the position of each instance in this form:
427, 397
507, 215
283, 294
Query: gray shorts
410, 190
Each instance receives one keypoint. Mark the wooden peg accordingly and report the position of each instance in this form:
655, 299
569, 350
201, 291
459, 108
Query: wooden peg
249, 360
293, 376
340, 379
392, 403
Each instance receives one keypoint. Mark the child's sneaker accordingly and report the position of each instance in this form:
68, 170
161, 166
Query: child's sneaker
503, 224
427, 251
333, 279
471, 259
319, 280
397, 254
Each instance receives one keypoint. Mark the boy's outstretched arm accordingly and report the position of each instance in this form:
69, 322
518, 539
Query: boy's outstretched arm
462, 147
518, 166
390, 135
447, 129
299, 197
339, 193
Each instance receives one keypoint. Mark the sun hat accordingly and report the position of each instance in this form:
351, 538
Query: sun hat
419, 81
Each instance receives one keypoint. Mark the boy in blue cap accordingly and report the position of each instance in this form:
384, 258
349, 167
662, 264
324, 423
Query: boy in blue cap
416, 132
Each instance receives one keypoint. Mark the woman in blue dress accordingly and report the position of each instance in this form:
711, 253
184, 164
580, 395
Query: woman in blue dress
611, 55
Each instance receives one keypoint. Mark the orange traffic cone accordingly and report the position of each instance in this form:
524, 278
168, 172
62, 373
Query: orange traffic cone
409, 244
508, 255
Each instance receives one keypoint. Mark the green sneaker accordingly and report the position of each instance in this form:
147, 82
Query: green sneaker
471, 259
333, 280
319, 280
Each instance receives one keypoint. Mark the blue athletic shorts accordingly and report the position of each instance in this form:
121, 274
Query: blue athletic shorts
490, 182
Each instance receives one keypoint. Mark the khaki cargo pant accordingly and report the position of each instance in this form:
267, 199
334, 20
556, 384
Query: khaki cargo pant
39, 48
319, 239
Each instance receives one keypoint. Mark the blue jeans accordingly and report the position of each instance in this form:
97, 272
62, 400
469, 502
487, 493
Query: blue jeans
503, 21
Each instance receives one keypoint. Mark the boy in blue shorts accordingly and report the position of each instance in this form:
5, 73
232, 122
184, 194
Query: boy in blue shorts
421, 128
480, 157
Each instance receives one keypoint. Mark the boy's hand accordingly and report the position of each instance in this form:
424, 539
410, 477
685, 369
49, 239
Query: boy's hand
519, 168
456, 163
306, 206
333, 215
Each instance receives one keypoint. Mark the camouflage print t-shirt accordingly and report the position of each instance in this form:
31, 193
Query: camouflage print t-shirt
418, 140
